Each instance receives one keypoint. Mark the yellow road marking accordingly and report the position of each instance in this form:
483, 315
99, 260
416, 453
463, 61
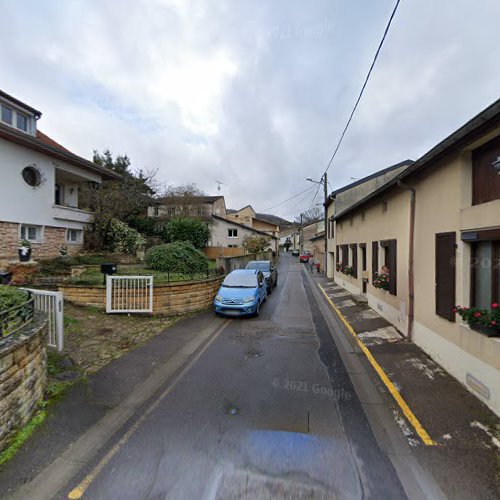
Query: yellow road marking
385, 379
79, 491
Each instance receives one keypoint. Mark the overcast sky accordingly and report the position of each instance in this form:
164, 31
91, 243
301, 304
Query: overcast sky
251, 93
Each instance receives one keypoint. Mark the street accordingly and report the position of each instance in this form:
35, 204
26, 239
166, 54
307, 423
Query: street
266, 411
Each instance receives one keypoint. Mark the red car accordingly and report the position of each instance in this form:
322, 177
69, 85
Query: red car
305, 257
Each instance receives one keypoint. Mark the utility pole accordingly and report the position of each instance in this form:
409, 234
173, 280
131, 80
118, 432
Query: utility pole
325, 186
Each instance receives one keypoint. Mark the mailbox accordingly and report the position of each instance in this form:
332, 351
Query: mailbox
108, 268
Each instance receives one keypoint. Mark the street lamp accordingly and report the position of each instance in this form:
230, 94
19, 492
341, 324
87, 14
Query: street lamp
324, 182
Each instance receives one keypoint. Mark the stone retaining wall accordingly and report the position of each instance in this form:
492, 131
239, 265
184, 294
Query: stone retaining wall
23, 375
172, 299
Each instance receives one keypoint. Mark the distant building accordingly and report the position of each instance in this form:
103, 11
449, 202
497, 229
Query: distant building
40, 184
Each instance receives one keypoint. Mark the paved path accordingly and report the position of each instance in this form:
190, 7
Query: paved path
265, 408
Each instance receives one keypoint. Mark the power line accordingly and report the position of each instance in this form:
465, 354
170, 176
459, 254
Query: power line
288, 199
364, 84
294, 209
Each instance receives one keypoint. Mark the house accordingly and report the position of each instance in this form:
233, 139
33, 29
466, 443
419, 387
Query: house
40, 185
248, 217
436, 228
290, 235
312, 239
203, 207
226, 237
344, 197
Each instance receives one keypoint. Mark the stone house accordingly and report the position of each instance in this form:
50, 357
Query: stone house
436, 228
40, 185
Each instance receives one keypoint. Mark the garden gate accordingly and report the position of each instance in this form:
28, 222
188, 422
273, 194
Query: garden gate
129, 294
51, 303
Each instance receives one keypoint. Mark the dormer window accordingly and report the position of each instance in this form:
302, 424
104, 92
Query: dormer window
22, 122
6, 115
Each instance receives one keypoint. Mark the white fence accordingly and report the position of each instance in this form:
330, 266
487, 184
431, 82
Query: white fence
51, 303
129, 294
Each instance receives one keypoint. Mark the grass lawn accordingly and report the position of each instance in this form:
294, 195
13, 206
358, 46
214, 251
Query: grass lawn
93, 276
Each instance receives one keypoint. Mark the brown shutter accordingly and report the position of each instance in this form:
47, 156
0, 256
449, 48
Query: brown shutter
374, 259
393, 267
354, 249
337, 255
445, 275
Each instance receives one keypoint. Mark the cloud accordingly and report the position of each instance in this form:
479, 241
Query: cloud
252, 93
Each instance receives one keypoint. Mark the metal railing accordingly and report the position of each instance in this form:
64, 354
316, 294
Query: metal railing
15, 318
172, 277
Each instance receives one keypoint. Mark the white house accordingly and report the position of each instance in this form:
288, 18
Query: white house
39, 185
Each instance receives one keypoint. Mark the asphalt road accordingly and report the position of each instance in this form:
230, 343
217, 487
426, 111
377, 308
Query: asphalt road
266, 411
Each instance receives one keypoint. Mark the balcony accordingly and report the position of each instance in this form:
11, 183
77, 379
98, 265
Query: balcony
62, 212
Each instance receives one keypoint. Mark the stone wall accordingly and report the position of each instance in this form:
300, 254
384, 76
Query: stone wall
172, 299
231, 263
23, 375
53, 239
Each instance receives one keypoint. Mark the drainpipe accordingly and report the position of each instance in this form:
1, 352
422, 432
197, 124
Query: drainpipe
411, 274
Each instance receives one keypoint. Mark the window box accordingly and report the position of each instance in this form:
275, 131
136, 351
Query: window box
485, 321
382, 281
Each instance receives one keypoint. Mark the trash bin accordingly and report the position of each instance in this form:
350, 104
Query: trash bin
5, 277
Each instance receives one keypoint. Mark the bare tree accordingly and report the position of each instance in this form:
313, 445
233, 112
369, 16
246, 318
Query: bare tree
312, 214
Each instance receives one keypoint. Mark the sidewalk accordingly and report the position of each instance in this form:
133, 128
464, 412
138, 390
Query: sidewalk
466, 460
87, 404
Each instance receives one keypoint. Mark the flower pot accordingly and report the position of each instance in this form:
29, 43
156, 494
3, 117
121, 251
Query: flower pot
24, 254
489, 331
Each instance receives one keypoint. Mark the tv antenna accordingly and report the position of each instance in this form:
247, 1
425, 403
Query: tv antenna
219, 184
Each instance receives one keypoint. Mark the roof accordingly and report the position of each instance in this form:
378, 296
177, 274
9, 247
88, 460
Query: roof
319, 236
470, 131
246, 206
192, 199
218, 217
368, 178
21, 104
44, 144
266, 221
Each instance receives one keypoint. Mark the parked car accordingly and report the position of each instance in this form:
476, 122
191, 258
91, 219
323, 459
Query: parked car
242, 293
268, 269
295, 253
305, 256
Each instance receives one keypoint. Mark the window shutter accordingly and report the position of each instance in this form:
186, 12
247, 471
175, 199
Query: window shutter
374, 259
393, 267
354, 249
445, 275
337, 255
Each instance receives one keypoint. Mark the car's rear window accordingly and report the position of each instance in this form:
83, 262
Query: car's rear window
261, 266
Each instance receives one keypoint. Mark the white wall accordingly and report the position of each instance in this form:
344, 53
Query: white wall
22, 203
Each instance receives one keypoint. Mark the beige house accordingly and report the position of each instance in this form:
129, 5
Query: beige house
344, 197
436, 229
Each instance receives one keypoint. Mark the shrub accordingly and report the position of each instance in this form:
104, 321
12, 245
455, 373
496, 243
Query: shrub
187, 229
179, 256
11, 297
255, 244
125, 239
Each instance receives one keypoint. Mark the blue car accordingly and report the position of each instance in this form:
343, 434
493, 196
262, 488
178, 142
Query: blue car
242, 293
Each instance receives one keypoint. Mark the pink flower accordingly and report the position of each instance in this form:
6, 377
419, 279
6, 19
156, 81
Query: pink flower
494, 323
454, 310
477, 314
494, 305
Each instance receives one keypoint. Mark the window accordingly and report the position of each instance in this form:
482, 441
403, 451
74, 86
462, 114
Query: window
345, 254
31, 233
32, 176
337, 254
384, 207
22, 122
445, 275
485, 177
362, 216
59, 194
6, 115
232, 246
485, 268
171, 211
232, 233
156, 210
74, 235
390, 261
